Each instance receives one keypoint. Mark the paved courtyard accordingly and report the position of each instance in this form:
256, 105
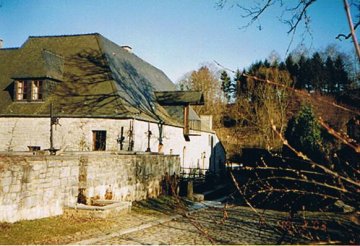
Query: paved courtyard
203, 227
235, 225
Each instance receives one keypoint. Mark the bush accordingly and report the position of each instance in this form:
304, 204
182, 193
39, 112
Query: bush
304, 134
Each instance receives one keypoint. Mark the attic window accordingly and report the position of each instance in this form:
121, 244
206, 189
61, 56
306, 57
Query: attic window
36, 90
29, 90
21, 90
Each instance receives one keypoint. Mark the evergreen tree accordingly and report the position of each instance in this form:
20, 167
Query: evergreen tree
240, 81
282, 66
227, 86
304, 133
292, 68
341, 76
303, 80
317, 72
266, 63
330, 75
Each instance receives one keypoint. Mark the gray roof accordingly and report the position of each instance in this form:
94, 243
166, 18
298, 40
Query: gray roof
177, 98
94, 78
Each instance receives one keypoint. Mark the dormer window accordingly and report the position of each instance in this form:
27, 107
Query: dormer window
29, 90
36, 90
21, 90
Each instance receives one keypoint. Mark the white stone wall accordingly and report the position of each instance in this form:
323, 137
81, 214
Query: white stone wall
33, 187
198, 152
36, 187
18, 133
75, 134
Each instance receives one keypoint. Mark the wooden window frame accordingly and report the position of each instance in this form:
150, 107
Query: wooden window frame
21, 90
99, 140
29, 90
36, 95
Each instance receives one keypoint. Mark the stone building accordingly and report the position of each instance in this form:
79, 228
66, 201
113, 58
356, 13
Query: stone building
85, 93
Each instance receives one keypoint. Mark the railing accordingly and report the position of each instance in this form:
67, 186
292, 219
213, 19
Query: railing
193, 173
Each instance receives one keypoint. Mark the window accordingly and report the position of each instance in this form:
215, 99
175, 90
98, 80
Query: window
21, 90
34, 148
99, 140
36, 90
29, 90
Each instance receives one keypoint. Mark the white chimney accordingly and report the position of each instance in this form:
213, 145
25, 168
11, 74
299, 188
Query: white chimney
1, 43
127, 48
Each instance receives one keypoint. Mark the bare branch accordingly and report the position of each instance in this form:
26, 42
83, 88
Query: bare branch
343, 139
349, 35
325, 169
240, 191
352, 30
296, 19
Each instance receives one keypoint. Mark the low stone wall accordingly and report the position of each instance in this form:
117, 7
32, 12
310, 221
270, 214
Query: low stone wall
127, 177
34, 187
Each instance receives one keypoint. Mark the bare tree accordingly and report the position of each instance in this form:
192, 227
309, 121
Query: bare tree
206, 80
294, 14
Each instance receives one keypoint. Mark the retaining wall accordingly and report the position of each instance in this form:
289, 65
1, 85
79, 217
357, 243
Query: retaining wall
34, 187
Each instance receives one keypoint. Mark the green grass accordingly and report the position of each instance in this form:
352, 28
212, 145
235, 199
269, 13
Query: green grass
54, 230
72, 227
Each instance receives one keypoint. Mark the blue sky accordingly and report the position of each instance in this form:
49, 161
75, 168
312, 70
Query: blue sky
175, 36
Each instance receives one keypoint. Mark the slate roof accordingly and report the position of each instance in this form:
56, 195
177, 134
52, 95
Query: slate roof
177, 98
94, 77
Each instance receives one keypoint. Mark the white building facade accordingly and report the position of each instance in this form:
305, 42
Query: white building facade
26, 134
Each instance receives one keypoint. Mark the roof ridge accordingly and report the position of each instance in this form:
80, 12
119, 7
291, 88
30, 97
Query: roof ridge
66, 35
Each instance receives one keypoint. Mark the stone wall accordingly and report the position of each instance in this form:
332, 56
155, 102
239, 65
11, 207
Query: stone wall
127, 177
34, 187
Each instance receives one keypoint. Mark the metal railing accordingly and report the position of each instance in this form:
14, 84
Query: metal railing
193, 173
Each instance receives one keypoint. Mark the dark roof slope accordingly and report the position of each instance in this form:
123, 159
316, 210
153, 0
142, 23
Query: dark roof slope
177, 98
94, 77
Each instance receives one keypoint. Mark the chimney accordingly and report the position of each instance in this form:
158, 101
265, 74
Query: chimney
1, 43
127, 48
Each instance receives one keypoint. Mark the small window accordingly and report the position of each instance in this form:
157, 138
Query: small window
99, 140
34, 148
21, 90
36, 90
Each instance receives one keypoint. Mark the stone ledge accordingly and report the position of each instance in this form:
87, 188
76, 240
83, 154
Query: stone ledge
104, 209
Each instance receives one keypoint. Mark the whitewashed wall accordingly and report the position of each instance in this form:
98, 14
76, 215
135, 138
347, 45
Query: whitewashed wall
195, 153
75, 134
18, 133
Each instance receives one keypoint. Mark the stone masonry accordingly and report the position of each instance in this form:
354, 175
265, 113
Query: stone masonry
38, 186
